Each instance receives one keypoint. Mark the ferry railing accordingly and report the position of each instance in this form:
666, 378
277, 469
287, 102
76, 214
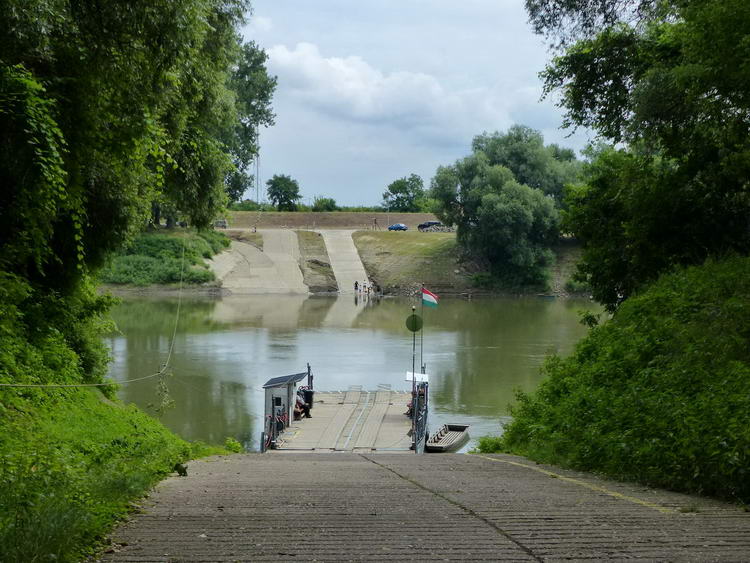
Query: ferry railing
419, 412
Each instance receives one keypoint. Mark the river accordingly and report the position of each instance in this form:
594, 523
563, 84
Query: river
477, 353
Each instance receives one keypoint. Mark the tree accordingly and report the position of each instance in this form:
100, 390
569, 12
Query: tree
324, 204
522, 150
283, 191
253, 88
670, 80
404, 194
105, 116
507, 225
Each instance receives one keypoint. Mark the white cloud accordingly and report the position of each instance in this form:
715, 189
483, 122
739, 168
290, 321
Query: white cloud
258, 25
349, 88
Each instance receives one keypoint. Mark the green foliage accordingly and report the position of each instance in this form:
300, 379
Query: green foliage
638, 215
67, 472
253, 88
522, 150
507, 225
659, 394
574, 285
404, 194
670, 80
156, 258
106, 114
250, 205
232, 445
490, 445
324, 204
283, 191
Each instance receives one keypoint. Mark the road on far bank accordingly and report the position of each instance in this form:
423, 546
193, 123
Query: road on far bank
403, 507
345, 261
361, 220
244, 269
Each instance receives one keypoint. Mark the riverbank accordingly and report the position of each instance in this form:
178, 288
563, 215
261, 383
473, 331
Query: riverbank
73, 462
398, 262
401, 262
658, 394
165, 257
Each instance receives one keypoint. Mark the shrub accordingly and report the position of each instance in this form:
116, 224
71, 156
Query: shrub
575, 286
217, 241
659, 394
156, 258
233, 445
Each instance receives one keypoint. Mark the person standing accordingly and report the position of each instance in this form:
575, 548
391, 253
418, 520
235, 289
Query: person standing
356, 286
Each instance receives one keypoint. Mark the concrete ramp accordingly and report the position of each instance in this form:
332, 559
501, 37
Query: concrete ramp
354, 420
246, 270
405, 507
345, 261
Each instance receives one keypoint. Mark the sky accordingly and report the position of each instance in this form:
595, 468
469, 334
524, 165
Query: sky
370, 91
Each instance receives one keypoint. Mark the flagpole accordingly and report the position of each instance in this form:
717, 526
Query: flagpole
413, 387
421, 333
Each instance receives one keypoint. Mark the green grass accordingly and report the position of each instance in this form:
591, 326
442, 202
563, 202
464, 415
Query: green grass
398, 260
156, 258
71, 460
70, 465
659, 394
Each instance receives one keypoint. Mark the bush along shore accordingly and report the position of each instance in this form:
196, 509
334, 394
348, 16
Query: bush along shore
72, 460
155, 257
658, 394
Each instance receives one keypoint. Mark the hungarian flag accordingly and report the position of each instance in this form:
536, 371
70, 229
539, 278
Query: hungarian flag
429, 298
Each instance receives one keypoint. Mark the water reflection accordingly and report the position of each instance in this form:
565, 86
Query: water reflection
477, 353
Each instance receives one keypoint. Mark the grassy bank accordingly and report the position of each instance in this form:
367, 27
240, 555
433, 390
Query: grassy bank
659, 394
71, 459
315, 263
401, 260
155, 257
71, 464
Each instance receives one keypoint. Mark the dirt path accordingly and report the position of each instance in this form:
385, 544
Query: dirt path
244, 269
345, 261
403, 507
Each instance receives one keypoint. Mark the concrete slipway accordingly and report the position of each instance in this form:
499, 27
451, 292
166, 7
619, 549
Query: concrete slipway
404, 507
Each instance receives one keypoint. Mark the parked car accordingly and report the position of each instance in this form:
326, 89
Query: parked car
428, 224
398, 227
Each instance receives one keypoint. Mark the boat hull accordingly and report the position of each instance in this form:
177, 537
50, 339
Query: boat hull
449, 438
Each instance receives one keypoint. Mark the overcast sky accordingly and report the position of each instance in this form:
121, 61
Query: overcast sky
370, 91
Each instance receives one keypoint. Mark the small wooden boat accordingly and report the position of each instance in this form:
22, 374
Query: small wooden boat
449, 438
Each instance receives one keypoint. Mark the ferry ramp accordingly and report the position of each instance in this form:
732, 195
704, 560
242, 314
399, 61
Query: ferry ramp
352, 420
403, 507
345, 261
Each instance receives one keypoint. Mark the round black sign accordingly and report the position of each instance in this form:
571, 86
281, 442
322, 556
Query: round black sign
414, 322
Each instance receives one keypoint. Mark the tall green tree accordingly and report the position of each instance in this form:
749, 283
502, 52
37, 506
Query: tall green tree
253, 88
670, 80
404, 194
506, 225
104, 111
283, 191
522, 150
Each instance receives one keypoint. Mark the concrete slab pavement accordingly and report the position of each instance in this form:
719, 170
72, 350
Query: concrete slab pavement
404, 507
345, 261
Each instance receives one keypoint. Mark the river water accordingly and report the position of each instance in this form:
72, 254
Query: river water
477, 353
